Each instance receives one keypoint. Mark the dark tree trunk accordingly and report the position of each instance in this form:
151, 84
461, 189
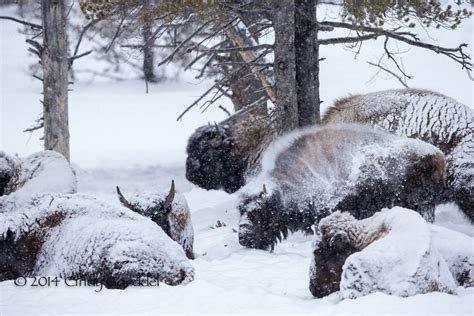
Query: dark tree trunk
307, 62
285, 66
55, 77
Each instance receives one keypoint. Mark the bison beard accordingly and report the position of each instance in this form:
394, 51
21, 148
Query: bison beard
405, 177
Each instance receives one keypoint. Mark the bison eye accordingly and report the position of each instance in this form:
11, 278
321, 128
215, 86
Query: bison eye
340, 242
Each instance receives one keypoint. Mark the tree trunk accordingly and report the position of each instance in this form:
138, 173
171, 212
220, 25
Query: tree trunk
285, 66
148, 42
307, 62
55, 77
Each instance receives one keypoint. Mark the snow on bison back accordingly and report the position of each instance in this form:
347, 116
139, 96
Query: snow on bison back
425, 115
347, 168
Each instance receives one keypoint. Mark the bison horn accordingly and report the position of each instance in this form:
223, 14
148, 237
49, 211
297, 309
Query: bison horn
122, 199
264, 191
169, 199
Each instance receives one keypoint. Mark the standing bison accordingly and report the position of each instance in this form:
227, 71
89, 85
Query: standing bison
425, 115
347, 168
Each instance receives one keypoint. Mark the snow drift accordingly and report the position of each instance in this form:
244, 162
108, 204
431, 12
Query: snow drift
395, 252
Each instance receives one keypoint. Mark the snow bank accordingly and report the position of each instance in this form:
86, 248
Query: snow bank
395, 252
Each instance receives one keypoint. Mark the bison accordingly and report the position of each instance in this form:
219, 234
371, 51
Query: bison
426, 115
47, 231
347, 168
395, 252
170, 212
82, 238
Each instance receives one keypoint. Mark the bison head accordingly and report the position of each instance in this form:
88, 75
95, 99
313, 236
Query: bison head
171, 214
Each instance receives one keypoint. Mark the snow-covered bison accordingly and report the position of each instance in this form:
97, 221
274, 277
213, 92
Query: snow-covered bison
395, 252
347, 168
80, 237
38, 173
425, 115
170, 212
44, 231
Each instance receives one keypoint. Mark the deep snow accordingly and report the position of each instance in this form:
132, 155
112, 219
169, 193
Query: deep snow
122, 136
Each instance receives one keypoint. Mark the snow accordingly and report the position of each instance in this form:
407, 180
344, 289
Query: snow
122, 136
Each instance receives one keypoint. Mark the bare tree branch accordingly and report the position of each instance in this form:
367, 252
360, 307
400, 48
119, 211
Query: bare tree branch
180, 46
389, 71
457, 54
32, 25
345, 40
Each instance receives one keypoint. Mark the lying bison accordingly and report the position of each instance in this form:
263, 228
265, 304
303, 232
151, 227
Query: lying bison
346, 168
81, 237
394, 251
425, 115
170, 212
38, 173
45, 231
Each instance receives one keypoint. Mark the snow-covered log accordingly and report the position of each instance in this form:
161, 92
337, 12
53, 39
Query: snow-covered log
221, 156
80, 237
169, 211
42, 172
395, 252
348, 168
425, 115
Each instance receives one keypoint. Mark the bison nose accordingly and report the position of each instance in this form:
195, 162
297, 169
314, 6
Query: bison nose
316, 290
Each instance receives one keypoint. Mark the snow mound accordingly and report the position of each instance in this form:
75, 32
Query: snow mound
395, 252
81, 237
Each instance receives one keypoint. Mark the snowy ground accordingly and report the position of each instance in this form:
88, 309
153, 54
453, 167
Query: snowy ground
122, 136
